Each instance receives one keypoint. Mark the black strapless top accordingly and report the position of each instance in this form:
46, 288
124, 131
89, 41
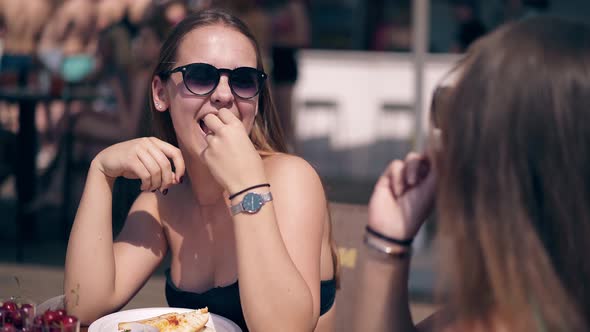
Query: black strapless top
225, 301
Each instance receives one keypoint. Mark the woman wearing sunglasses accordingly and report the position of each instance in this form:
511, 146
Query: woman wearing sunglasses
246, 225
512, 197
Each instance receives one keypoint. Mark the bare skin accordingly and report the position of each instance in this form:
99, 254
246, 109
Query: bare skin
402, 199
23, 24
136, 9
109, 12
73, 28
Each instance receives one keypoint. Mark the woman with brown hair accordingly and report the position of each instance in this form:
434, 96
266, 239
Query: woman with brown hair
513, 190
219, 193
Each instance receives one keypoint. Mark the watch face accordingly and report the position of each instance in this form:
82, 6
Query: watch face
252, 202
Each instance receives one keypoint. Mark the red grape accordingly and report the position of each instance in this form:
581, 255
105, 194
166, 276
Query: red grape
8, 328
69, 320
60, 313
28, 310
38, 320
9, 306
69, 323
49, 317
16, 318
38, 324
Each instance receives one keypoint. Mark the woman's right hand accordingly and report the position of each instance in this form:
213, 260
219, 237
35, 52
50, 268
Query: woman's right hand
403, 197
146, 158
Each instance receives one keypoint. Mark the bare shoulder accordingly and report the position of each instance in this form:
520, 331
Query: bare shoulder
293, 179
282, 165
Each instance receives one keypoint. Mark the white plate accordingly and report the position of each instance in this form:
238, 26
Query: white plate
109, 323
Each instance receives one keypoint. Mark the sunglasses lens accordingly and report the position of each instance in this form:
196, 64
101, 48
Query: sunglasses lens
201, 79
245, 82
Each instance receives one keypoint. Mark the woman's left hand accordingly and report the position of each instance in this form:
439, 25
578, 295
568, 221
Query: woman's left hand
231, 157
403, 197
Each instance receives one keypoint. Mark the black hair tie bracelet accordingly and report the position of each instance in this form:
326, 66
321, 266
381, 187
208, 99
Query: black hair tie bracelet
405, 243
249, 188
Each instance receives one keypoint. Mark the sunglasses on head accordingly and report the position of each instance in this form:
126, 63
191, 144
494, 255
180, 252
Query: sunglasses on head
202, 78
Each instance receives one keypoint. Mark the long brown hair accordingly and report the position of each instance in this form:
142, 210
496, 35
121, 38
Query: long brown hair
514, 190
266, 134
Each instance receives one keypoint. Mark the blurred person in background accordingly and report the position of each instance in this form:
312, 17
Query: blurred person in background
111, 25
290, 33
469, 26
22, 23
94, 51
257, 20
510, 172
67, 49
391, 26
219, 148
104, 121
196, 5
153, 30
110, 12
175, 11
135, 13
121, 81
69, 42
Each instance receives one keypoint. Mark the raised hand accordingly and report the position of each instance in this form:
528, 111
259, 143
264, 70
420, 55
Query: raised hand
146, 158
403, 197
230, 155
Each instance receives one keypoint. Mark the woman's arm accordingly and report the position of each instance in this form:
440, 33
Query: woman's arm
100, 275
279, 250
383, 303
401, 201
279, 247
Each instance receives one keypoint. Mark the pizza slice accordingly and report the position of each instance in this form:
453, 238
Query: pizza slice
192, 321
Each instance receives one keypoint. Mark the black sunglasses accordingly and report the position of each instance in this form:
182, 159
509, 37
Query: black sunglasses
202, 78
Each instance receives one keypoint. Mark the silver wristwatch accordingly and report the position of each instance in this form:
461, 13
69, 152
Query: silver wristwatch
251, 203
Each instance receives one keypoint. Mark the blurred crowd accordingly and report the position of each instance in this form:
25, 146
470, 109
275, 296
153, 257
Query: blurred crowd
108, 48
471, 19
